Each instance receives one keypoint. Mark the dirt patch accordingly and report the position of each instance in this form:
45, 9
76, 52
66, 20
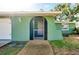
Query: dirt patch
74, 36
37, 47
63, 51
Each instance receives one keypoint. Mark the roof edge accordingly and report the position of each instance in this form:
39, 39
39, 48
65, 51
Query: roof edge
29, 13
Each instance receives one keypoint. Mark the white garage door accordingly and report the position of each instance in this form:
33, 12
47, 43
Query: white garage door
5, 28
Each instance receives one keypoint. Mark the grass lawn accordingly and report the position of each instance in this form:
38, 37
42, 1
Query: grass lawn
11, 48
67, 46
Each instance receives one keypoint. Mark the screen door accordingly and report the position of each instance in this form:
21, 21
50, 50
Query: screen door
38, 28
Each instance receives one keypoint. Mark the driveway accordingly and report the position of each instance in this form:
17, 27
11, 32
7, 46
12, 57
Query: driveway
3, 42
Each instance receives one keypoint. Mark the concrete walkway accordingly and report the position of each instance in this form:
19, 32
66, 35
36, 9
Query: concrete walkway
37, 47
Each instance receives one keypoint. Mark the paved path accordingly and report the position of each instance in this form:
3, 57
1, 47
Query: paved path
37, 47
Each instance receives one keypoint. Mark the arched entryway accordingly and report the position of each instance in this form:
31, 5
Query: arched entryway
38, 28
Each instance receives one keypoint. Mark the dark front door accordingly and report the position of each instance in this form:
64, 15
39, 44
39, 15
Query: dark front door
38, 28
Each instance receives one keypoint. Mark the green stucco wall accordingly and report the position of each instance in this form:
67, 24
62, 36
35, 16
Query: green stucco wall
53, 32
21, 28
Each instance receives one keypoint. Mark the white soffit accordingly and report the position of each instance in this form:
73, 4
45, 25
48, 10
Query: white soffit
31, 13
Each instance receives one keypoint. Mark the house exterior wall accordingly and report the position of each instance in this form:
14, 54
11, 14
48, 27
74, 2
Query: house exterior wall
53, 32
21, 28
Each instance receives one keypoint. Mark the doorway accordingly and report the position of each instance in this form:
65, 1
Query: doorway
38, 28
